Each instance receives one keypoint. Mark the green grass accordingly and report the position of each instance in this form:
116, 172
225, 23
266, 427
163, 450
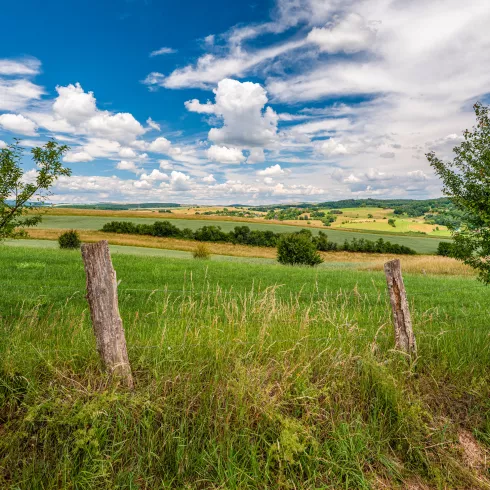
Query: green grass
419, 244
248, 375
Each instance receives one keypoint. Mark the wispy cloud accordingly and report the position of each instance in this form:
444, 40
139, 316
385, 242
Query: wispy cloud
161, 51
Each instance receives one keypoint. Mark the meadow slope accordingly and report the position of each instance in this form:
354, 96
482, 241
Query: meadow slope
248, 375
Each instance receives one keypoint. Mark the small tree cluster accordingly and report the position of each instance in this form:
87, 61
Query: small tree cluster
297, 249
69, 239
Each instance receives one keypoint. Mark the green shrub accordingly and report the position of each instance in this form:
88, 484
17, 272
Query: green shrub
201, 252
391, 222
445, 249
297, 248
69, 239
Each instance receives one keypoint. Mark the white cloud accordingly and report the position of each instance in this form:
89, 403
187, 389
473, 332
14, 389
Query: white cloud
332, 147
78, 109
77, 156
18, 124
155, 174
195, 106
129, 166
271, 171
240, 105
161, 51
209, 178
179, 181
23, 66
417, 175
17, 94
388, 154
351, 179
166, 165
348, 34
160, 145
127, 153
256, 155
223, 154
152, 124
74, 105
3, 144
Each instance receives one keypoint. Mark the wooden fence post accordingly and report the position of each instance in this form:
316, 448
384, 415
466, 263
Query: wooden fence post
404, 337
104, 311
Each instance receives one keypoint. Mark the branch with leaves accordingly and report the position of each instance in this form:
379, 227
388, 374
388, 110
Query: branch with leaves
466, 181
20, 200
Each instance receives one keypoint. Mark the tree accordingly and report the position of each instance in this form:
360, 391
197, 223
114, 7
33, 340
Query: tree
298, 249
466, 181
18, 193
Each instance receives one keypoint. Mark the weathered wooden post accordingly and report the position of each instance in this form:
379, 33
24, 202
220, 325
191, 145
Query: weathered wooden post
404, 337
104, 311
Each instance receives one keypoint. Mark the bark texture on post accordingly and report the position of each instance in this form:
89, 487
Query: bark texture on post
104, 311
404, 337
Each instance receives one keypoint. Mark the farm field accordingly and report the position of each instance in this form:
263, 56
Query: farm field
358, 219
248, 375
420, 244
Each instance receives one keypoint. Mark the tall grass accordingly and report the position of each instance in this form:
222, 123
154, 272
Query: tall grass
246, 377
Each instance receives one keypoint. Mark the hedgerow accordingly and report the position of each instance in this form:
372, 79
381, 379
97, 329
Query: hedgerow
243, 235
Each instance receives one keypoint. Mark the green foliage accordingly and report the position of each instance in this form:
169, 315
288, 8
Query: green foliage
467, 182
19, 195
201, 252
297, 249
445, 249
69, 239
392, 222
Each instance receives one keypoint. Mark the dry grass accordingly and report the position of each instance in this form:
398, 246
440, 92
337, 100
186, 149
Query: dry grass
417, 264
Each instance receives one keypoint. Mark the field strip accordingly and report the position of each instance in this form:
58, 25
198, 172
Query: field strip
419, 244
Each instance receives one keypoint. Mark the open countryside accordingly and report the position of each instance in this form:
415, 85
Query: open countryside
245, 245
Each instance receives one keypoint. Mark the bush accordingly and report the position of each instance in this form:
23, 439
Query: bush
445, 249
391, 222
297, 249
69, 239
201, 252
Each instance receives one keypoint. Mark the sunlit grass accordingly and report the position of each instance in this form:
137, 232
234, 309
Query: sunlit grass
247, 376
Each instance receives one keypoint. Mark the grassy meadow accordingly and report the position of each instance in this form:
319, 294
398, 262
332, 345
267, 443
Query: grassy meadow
248, 375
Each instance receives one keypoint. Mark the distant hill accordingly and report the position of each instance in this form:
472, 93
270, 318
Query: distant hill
119, 207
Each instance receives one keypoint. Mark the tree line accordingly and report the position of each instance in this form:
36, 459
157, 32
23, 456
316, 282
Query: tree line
243, 235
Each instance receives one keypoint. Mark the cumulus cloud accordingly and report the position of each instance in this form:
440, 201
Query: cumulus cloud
160, 145
223, 154
271, 171
155, 174
209, 178
18, 124
256, 155
241, 107
332, 147
130, 166
77, 156
179, 181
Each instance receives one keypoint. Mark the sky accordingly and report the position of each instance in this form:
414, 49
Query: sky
268, 101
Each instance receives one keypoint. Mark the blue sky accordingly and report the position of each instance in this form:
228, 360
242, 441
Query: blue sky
221, 102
